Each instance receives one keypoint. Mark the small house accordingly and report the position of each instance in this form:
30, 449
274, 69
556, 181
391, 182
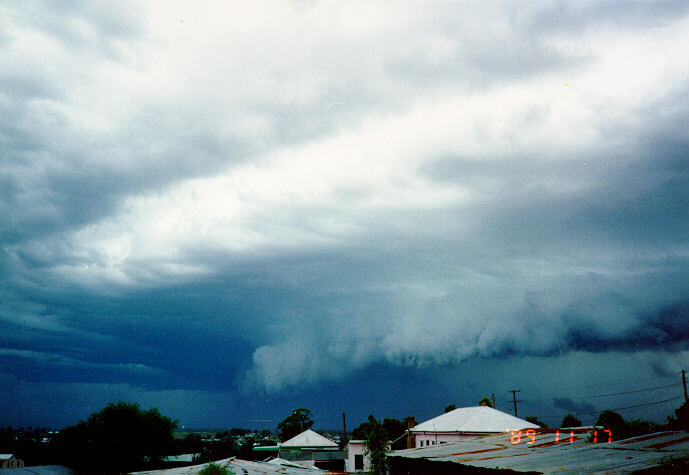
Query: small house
10, 461
357, 460
466, 422
311, 449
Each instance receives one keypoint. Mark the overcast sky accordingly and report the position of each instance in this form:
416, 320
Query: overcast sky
229, 210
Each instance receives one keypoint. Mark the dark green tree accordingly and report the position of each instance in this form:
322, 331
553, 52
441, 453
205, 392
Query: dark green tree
376, 446
395, 429
682, 420
614, 422
359, 433
535, 420
450, 407
570, 421
118, 438
294, 424
485, 402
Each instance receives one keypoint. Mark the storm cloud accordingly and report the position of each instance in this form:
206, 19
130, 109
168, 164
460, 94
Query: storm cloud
256, 202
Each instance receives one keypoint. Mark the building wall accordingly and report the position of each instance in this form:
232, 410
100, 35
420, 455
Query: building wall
356, 448
12, 462
426, 440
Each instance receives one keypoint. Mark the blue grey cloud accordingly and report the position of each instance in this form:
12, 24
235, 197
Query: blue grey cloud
277, 205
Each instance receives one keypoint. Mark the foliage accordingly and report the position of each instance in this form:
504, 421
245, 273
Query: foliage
294, 424
214, 469
395, 428
376, 446
485, 402
570, 421
614, 422
622, 429
359, 433
681, 421
534, 420
118, 437
450, 407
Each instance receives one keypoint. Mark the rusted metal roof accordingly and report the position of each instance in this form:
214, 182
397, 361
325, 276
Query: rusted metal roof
563, 450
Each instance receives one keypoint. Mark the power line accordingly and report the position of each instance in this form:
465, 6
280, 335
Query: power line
621, 408
630, 392
637, 405
606, 384
610, 394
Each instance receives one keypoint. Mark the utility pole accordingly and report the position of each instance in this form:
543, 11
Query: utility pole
515, 400
410, 437
492, 395
344, 428
684, 382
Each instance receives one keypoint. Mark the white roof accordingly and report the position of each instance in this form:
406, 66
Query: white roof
6, 456
472, 420
309, 438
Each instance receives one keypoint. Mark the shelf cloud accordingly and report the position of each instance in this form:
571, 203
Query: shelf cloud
254, 200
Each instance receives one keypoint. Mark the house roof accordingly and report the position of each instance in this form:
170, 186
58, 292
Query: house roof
242, 466
480, 419
309, 438
555, 450
6, 456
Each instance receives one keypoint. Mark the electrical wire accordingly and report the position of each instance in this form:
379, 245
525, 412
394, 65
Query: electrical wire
631, 392
612, 394
635, 406
607, 383
621, 408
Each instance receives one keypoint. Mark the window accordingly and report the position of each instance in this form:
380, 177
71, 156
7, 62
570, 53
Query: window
421, 443
358, 462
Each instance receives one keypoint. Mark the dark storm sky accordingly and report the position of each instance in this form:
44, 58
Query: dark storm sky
229, 211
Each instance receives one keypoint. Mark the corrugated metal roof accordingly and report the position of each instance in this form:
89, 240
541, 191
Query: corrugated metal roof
472, 420
244, 467
548, 451
38, 470
309, 439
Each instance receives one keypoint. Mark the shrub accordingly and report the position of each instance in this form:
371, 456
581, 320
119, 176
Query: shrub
215, 469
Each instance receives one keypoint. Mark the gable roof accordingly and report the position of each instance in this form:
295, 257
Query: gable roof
309, 438
481, 419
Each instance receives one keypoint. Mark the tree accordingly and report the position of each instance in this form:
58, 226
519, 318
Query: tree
376, 446
294, 424
359, 433
622, 429
118, 437
610, 419
450, 407
570, 421
534, 420
614, 422
682, 420
395, 429
485, 402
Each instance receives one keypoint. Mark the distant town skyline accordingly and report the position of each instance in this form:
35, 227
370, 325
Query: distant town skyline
229, 210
